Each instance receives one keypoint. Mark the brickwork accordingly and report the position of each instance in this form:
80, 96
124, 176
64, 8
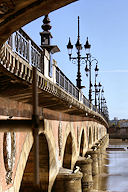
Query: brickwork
63, 136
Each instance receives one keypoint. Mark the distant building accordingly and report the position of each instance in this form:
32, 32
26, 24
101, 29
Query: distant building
118, 128
114, 121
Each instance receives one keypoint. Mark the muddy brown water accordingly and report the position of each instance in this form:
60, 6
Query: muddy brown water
114, 173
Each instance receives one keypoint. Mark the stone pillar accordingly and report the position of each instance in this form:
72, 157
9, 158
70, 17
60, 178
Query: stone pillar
85, 165
100, 159
101, 147
67, 181
94, 155
106, 141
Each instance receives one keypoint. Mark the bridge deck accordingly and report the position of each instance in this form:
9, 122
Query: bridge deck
16, 84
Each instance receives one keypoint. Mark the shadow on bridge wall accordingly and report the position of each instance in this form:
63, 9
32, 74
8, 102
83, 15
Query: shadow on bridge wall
67, 160
47, 163
48, 159
76, 138
82, 144
27, 180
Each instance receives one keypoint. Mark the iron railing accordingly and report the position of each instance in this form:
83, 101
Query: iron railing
86, 101
66, 84
63, 82
26, 48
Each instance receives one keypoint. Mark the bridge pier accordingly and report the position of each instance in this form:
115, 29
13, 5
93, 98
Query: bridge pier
104, 145
85, 165
94, 155
67, 181
101, 148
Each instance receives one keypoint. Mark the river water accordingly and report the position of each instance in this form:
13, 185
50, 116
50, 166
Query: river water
114, 173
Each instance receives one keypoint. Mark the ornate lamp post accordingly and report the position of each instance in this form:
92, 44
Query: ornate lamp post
88, 71
104, 106
102, 100
105, 111
95, 85
99, 90
79, 58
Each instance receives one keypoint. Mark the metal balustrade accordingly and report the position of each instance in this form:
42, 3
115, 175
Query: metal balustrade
69, 87
26, 48
23, 45
86, 101
66, 84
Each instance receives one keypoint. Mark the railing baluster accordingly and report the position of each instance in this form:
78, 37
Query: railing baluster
29, 52
23, 45
13, 41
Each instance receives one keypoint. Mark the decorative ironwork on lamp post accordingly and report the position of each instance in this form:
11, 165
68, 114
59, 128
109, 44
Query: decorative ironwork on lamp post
102, 103
102, 100
99, 91
105, 109
95, 85
88, 71
79, 58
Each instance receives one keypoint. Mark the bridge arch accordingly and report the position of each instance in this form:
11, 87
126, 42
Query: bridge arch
82, 142
47, 162
67, 158
94, 134
100, 133
97, 134
69, 150
27, 179
53, 170
90, 136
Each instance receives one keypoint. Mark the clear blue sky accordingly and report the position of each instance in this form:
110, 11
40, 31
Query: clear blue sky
105, 22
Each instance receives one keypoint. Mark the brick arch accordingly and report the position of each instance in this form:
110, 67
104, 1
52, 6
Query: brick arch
90, 135
27, 179
69, 137
49, 170
97, 135
53, 170
83, 144
44, 162
94, 134
22, 161
100, 132
26, 155
67, 159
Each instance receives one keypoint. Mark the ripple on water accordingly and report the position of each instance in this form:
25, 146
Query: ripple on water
114, 177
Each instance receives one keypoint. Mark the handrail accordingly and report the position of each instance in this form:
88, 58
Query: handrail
86, 101
26, 48
66, 84
69, 87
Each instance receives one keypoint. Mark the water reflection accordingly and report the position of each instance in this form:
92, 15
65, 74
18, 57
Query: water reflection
114, 172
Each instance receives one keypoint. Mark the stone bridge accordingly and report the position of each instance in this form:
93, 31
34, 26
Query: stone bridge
71, 131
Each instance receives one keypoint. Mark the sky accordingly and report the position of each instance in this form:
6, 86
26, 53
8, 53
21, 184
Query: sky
105, 23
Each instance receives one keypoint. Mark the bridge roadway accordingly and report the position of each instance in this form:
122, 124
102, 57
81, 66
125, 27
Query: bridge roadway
71, 132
